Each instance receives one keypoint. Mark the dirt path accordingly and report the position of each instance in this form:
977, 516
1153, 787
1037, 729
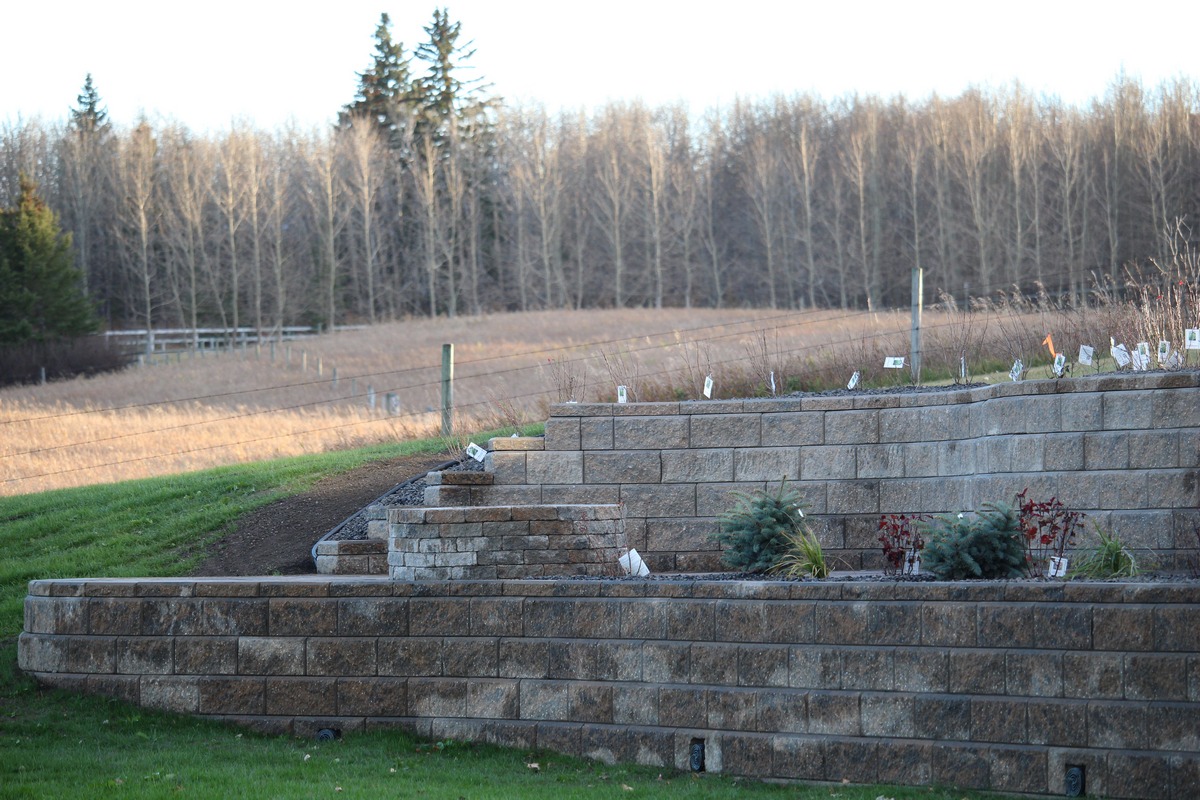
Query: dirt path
278, 538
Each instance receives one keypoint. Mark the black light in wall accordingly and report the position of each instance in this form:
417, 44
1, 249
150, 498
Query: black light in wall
1075, 780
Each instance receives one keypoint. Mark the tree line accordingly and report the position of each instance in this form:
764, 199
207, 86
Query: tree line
429, 196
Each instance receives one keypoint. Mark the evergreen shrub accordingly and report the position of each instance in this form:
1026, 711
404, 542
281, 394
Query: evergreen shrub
756, 533
990, 545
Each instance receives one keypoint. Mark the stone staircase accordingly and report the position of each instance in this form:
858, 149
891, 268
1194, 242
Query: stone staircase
484, 525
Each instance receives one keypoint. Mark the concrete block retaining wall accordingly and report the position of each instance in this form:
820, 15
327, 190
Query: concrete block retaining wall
984, 685
1123, 448
504, 542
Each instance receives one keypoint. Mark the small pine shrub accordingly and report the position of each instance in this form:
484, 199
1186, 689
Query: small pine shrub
754, 534
989, 546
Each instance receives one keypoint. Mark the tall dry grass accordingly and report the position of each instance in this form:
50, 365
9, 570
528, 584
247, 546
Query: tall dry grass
191, 412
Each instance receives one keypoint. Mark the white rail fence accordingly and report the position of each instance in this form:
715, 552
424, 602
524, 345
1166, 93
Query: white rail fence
162, 340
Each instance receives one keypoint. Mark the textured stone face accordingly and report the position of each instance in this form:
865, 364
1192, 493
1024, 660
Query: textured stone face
987, 682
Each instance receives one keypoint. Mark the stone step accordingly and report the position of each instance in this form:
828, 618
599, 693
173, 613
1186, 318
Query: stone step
484, 495
516, 443
459, 479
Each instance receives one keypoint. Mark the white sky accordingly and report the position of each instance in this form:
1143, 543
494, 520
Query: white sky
206, 63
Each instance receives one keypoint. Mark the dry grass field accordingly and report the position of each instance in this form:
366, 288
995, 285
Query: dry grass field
187, 412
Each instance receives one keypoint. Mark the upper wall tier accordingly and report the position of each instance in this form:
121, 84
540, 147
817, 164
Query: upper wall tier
1124, 448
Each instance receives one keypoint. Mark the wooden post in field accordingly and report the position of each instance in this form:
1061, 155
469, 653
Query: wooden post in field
42, 375
447, 389
914, 345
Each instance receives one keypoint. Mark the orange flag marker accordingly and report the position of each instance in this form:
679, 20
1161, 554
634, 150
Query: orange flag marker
1049, 342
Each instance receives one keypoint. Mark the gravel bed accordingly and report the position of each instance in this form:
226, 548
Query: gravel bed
901, 389
872, 577
409, 493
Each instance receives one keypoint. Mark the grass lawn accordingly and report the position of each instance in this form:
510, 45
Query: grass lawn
59, 745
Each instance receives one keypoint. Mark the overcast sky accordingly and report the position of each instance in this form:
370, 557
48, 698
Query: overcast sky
206, 63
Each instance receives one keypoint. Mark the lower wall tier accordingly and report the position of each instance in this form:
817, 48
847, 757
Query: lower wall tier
999, 686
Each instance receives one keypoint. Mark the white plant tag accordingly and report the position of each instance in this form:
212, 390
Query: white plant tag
962, 368
1085, 354
632, 563
708, 386
1058, 567
1192, 339
1121, 354
1017, 369
1143, 349
772, 376
1176, 360
476, 452
1164, 351
1060, 363
853, 380
893, 362
1141, 361
622, 395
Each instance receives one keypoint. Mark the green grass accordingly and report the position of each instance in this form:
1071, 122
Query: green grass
154, 527
60, 745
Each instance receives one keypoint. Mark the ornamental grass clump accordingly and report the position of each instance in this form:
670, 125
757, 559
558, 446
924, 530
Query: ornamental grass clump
803, 556
989, 546
1109, 559
756, 533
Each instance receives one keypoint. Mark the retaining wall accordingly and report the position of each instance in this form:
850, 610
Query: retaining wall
1123, 448
985, 685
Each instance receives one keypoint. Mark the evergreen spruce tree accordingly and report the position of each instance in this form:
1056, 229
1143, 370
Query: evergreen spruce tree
88, 116
445, 98
86, 153
990, 546
386, 93
41, 294
755, 533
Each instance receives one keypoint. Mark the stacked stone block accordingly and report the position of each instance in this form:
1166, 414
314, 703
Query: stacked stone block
983, 685
1125, 449
480, 543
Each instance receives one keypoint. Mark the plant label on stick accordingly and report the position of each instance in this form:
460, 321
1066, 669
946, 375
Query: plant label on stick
1085, 354
1141, 359
622, 395
476, 452
1176, 360
1058, 566
1060, 363
1120, 354
853, 380
772, 377
893, 362
962, 368
1192, 339
708, 386
1143, 349
1017, 369
1164, 351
